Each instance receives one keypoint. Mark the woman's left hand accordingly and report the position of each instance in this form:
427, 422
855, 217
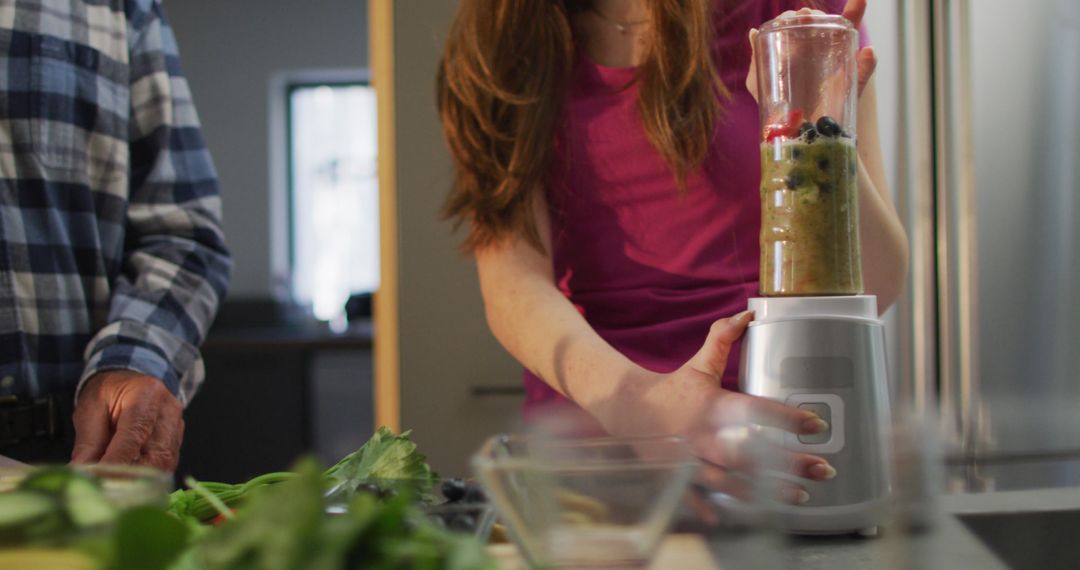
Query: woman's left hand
853, 11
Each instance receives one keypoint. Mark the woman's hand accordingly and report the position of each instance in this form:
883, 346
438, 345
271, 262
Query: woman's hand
866, 59
690, 402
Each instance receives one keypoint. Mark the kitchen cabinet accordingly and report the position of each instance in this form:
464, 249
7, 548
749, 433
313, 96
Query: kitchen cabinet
274, 394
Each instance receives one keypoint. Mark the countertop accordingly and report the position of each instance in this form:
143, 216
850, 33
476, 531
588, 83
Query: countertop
948, 544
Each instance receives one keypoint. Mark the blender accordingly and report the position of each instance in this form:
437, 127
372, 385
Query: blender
816, 342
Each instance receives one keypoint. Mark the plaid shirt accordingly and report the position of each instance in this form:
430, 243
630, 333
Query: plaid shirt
112, 254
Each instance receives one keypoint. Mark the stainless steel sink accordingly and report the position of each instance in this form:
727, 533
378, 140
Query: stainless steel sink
1034, 539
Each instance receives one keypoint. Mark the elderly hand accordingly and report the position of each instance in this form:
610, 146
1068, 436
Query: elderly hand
866, 60
125, 417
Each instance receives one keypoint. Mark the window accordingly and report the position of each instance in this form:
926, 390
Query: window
331, 202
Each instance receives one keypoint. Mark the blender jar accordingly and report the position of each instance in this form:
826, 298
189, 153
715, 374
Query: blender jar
807, 96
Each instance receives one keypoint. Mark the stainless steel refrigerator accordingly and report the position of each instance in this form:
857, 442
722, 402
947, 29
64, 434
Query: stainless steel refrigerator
988, 183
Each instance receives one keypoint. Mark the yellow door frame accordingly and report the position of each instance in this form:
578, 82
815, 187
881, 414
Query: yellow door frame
387, 337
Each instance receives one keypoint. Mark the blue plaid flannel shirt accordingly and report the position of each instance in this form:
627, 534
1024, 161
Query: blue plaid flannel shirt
113, 255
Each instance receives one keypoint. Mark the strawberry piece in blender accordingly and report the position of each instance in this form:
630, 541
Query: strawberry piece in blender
786, 127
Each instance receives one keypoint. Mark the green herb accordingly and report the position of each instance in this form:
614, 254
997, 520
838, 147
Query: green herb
147, 538
386, 460
385, 457
203, 503
273, 530
209, 496
280, 522
284, 527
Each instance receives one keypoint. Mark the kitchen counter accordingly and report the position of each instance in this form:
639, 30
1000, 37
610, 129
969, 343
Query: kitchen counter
1027, 529
947, 545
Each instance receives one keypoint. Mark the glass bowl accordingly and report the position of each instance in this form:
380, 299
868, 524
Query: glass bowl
594, 503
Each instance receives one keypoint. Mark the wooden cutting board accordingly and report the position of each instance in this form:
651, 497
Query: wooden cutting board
9, 462
682, 551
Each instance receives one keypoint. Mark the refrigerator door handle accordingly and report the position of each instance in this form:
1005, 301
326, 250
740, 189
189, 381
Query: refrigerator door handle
954, 181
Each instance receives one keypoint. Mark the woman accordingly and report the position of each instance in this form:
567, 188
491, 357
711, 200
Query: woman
607, 166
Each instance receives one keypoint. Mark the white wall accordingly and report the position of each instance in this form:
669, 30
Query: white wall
229, 50
446, 347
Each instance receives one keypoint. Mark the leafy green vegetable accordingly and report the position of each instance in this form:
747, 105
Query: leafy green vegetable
284, 527
385, 457
273, 530
281, 521
200, 502
147, 538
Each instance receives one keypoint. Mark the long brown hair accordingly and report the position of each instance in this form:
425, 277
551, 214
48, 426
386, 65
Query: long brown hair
501, 81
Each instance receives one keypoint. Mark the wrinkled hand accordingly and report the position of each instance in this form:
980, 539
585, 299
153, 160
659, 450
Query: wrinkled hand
866, 60
124, 417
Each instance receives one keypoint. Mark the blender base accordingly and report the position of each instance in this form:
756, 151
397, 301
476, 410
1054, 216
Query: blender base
827, 355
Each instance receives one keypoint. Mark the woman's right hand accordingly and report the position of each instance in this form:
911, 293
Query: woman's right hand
690, 402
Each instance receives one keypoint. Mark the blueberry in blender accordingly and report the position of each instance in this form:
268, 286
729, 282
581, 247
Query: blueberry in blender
828, 127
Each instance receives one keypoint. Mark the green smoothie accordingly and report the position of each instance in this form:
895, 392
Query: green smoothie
810, 217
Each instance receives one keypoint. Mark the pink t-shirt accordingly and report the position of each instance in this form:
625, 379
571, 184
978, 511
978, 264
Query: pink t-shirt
651, 268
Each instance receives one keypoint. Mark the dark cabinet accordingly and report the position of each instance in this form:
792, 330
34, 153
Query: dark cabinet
271, 396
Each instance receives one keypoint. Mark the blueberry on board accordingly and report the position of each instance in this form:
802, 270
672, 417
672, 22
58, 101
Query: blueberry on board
828, 126
475, 494
453, 490
808, 132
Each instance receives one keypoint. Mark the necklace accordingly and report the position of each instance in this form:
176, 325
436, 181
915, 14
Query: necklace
623, 27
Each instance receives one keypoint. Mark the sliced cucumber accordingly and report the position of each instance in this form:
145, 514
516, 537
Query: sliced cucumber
26, 515
86, 504
50, 480
20, 508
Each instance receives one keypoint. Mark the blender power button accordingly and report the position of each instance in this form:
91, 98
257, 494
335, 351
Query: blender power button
823, 411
